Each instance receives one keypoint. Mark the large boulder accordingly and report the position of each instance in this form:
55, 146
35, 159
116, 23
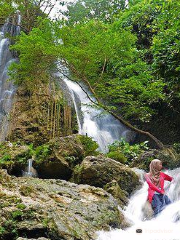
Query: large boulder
169, 157
35, 208
64, 154
100, 170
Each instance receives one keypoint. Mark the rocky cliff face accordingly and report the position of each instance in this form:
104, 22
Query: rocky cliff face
41, 115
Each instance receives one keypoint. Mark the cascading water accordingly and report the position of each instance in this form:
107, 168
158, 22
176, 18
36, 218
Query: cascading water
93, 122
30, 171
7, 89
166, 226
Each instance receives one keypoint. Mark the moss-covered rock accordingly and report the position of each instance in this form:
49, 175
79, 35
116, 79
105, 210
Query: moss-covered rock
13, 157
54, 159
64, 154
55, 209
168, 156
40, 115
100, 170
119, 194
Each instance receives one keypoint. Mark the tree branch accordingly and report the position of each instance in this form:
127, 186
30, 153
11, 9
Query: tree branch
99, 103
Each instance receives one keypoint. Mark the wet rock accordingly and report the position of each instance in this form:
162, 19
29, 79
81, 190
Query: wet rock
168, 156
55, 209
119, 194
66, 152
147, 211
99, 170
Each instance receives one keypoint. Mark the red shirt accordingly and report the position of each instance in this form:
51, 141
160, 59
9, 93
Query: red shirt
152, 188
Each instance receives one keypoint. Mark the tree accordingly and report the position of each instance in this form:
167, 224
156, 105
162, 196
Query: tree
165, 49
6, 9
30, 10
37, 55
109, 63
85, 10
113, 67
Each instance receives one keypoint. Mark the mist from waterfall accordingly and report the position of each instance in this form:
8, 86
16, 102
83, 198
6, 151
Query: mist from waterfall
166, 226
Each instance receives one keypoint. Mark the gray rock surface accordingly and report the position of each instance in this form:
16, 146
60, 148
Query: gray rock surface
54, 209
100, 170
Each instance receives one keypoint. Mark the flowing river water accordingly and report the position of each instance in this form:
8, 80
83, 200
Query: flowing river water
166, 226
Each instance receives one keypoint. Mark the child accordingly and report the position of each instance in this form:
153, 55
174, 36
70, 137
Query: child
155, 179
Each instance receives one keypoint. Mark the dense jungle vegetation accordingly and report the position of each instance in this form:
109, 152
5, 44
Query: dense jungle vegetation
128, 55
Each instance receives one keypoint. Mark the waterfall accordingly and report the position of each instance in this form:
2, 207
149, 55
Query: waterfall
30, 171
166, 226
7, 89
93, 121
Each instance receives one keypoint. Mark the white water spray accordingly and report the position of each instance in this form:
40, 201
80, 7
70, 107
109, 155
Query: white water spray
30, 171
166, 226
93, 121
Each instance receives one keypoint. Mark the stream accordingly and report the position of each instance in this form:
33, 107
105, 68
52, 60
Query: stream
166, 226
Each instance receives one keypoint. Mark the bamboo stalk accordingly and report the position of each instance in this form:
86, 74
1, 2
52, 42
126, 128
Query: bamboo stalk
54, 125
51, 121
48, 115
58, 119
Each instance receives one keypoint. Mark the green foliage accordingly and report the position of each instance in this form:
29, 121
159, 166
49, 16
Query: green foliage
176, 146
90, 146
118, 156
85, 10
128, 56
130, 152
42, 152
6, 9
37, 55
166, 47
6, 157
156, 25
10, 226
30, 11
21, 206
17, 215
108, 59
2, 231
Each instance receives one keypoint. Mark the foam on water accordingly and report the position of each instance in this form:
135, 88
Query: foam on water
166, 226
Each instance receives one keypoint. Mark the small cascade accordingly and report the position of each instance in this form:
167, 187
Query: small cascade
93, 121
30, 171
166, 226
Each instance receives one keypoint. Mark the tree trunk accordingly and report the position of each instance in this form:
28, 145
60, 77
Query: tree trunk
159, 144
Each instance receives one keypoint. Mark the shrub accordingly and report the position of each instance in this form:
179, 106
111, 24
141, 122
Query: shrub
129, 151
118, 156
90, 146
